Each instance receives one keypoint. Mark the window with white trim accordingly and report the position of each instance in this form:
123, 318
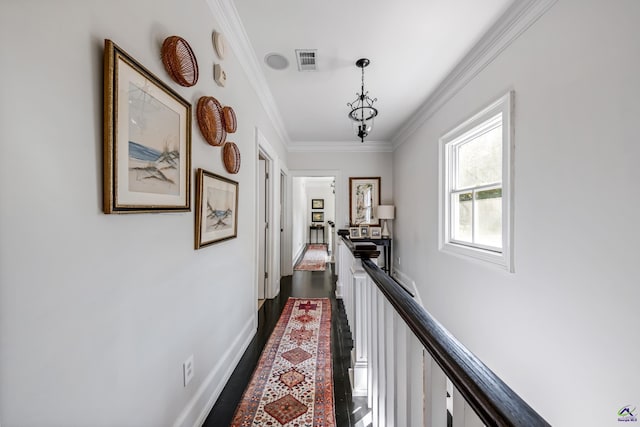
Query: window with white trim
476, 185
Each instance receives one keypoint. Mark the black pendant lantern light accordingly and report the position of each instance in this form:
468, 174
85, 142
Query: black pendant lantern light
362, 111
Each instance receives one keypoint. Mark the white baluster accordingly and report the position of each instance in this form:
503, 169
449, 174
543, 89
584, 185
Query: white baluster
463, 414
339, 269
470, 417
369, 291
416, 381
382, 360
435, 392
458, 408
390, 365
402, 372
374, 355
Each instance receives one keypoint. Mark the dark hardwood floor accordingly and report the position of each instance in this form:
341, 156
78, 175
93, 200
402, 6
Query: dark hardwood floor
309, 284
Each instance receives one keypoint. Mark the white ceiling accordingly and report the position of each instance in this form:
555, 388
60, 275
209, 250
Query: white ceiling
412, 44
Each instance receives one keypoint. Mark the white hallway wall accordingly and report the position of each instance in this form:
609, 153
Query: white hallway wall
98, 312
561, 330
323, 191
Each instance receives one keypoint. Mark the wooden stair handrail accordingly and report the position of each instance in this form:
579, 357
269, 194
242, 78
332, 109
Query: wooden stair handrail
495, 403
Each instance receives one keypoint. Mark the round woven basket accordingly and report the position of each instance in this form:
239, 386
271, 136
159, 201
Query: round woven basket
229, 118
231, 157
209, 114
180, 61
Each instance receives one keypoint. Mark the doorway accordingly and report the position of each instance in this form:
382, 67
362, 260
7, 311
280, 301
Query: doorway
313, 213
285, 266
263, 227
267, 220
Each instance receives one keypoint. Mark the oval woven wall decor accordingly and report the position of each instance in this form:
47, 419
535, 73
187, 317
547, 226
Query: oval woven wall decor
229, 118
209, 115
231, 156
180, 61
219, 44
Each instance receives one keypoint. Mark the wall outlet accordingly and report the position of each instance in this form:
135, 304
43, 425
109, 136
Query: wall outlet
398, 260
187, 370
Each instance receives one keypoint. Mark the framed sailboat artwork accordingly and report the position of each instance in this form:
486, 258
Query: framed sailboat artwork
147, 139
216, 209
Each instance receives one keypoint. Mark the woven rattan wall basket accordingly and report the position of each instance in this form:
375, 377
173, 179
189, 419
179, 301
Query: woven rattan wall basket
180, 61
231, 157
229, 118
210, 122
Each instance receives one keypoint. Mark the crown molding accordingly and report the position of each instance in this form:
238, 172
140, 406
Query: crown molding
340, 147
515, 21
226, 14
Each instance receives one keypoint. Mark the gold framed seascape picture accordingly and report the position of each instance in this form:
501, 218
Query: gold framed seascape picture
216, 209
147, 139
364, 198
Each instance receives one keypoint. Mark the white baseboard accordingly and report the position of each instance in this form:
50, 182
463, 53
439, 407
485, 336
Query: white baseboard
196, 411
298, 253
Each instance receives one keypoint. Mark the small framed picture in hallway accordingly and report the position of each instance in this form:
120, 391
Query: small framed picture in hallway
354, 233
216, 209
317, 203
317, 216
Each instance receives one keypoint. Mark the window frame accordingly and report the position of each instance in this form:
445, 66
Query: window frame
467, 130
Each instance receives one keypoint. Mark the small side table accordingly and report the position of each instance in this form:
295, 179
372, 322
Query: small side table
317, 228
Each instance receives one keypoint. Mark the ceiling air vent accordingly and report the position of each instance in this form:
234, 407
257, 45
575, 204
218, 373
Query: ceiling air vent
306, 59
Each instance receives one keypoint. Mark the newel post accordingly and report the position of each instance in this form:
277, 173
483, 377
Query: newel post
360, 326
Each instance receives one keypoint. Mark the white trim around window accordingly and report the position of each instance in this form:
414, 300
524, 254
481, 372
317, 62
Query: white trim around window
501, 111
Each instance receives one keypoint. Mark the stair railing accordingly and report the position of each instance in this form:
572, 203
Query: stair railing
411, 369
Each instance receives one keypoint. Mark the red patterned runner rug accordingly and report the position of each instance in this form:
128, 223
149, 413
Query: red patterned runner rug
292, 385
314, 259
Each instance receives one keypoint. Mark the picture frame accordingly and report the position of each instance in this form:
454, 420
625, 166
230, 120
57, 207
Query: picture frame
364, 231
317, 203
375, 232
354, 232
147, 140
317, 216
216, 208
364, 197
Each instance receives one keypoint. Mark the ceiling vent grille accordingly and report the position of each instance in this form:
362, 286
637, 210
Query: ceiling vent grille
306, 59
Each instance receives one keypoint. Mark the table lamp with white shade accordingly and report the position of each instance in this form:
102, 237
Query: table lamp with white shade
386, 212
